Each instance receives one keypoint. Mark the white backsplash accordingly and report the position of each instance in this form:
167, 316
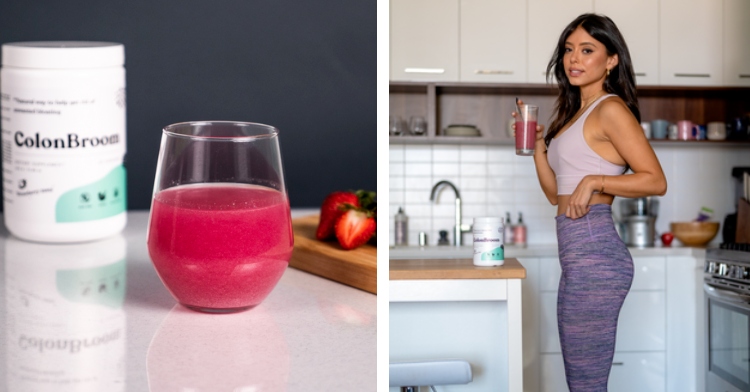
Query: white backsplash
493, 180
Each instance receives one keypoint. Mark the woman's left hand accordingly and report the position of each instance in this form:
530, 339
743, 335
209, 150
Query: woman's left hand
578, 204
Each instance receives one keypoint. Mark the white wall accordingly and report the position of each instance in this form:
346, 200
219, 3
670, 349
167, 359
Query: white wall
493, 180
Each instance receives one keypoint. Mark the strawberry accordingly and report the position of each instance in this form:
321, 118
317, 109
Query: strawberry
331, 210
354, 228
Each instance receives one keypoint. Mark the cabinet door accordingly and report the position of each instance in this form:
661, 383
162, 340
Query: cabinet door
424, 40
638, 372
736, 47
690, 43
649, 273
546, 21
638, 21
630, 372
493, 41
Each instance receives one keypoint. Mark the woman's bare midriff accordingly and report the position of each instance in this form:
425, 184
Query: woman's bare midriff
596, 198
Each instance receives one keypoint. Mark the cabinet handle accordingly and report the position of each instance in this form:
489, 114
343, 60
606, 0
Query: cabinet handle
743, 76
691, 75
640, 74
425, 70
618, 363
492, 72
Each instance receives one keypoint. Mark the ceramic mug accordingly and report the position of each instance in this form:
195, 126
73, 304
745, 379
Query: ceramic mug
646, 129
699, 132
673, 131
659, 129
684, 130
717, 130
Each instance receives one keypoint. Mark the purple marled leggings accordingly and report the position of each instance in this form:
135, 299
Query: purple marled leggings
597, 271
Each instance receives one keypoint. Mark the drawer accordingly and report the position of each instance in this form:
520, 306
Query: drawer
638, 372
641, 327
630, 372
649, 273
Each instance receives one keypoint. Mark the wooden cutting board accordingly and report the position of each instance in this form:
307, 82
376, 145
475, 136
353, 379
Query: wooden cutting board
357, 267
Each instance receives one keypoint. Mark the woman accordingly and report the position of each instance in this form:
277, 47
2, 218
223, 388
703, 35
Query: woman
581, 164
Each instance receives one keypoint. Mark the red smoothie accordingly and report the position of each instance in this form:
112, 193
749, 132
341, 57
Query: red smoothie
220, 246
525, 138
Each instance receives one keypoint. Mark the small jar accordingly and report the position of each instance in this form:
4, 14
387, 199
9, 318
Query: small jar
63, 140
488, 242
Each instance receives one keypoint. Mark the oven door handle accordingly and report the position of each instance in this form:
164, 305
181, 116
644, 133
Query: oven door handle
725, 295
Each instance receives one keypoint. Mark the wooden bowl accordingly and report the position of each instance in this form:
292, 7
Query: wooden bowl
694, 233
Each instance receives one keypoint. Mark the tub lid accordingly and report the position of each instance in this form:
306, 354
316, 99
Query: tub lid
63, 54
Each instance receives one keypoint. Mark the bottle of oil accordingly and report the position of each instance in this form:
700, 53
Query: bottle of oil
519, 232
508, 230
402, 228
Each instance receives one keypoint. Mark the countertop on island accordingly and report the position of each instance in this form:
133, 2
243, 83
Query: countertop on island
310, 334
453, 269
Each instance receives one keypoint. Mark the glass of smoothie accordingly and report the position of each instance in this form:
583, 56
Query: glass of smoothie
526, 129
219, 232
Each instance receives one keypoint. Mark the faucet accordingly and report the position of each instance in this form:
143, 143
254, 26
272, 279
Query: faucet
459, 228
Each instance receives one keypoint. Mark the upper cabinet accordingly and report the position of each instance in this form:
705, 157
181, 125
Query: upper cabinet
690, 42
493, 41
736, 46
424, 40
671, 42
638, 21
546, 21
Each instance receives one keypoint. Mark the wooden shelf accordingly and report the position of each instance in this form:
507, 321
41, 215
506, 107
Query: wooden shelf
488, 106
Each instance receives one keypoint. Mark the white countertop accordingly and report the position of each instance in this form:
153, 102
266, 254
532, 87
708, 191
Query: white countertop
310, 334
547, 250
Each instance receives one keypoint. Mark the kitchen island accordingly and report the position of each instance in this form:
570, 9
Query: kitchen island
95, 316
451, 309
661, 328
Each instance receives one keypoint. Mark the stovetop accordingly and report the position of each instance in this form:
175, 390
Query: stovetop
729, 266
742, 247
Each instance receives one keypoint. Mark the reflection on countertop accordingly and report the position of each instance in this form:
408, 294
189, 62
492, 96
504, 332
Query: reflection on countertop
95, 316
66, 328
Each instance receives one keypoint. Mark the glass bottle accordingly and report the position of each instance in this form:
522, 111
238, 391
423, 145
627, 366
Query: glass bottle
508, 230
519, 232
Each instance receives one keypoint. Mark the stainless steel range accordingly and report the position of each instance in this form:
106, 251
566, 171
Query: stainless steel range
727, 287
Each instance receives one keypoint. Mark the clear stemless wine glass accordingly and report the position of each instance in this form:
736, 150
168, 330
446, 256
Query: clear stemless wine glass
395, 126
220, 233
417, 125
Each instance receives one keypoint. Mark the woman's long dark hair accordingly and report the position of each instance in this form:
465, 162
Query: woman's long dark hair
621, 79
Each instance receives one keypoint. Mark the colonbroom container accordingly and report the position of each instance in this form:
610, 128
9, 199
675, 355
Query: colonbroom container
63, 140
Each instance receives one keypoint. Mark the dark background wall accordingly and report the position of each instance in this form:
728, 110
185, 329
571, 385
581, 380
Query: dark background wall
305, 67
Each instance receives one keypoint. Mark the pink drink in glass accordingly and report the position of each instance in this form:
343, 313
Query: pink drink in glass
220, 246
525, 137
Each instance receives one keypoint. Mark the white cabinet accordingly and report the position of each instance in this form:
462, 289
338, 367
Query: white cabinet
690, 42
630, 372
424, 40
638, 21
736, 47
641, 349
633, 334
638, 372
546, 21
493, 41
671, 42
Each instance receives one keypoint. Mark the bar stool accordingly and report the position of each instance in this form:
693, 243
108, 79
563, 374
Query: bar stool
409, 376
